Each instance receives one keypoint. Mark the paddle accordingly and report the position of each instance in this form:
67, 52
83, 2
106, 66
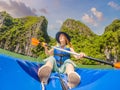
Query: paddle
116, 65
35, 42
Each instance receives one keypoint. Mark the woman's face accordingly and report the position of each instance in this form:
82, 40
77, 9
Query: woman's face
62, 39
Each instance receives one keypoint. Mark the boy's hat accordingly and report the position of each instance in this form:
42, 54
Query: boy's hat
58, 35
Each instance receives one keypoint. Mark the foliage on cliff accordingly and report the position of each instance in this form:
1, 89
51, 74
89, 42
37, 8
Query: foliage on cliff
105, 46
16, 34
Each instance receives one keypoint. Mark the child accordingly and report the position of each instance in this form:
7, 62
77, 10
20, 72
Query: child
59, 61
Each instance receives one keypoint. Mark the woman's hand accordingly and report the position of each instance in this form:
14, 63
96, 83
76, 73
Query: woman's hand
81, 55
44, 45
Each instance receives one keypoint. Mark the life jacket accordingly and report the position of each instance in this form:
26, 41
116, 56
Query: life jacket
61, 56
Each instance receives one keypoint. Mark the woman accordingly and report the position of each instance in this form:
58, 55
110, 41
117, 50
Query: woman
59, 61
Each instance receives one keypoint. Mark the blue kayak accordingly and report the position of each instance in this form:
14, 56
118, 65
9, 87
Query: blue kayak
17, 74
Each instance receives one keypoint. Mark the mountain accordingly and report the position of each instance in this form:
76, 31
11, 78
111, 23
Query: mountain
114, 26
16, 33
77, 27
106, 46
111, 41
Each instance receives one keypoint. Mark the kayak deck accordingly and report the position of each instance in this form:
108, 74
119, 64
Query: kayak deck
17, 74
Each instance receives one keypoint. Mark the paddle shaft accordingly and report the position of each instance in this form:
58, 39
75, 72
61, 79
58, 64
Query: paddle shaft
98, 60
95, 59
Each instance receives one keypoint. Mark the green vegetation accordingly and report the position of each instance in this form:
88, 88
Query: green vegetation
84, 40
16, 34
96, 66
23, 57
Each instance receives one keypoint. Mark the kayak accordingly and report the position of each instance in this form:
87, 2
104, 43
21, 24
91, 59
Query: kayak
18, 74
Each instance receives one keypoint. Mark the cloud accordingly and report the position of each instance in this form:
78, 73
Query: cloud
17, 9
89, 19
43, 10
114, 5
97, 14
94, 17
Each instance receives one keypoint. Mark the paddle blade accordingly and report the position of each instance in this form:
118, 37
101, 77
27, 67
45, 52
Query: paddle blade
117, 65
34, 41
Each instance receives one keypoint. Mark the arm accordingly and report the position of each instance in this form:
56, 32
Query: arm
77, 56
47, 52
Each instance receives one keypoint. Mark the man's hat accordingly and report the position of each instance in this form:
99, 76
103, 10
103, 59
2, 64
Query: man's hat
58, 35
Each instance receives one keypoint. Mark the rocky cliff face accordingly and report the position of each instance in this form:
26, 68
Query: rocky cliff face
106, 46
112, 41
16, 33
1, 19
72, 26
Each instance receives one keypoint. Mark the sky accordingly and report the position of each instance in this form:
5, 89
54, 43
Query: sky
96, 14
